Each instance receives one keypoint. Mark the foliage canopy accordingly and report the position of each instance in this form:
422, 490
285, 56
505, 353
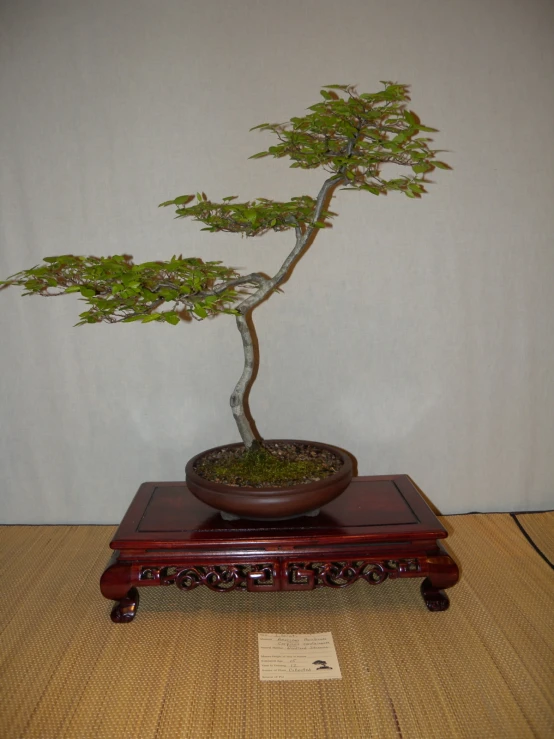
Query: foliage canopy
350, 136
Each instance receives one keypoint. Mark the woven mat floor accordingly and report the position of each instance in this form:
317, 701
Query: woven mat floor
540, 528
187, 667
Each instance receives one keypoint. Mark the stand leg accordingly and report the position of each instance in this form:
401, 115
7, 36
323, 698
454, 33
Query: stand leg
116, 584
442, 573
126, 608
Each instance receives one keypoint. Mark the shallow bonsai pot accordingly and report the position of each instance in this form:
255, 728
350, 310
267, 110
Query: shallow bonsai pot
271, 503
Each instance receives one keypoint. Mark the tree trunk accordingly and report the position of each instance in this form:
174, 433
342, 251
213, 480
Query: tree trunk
238, 397
266, 286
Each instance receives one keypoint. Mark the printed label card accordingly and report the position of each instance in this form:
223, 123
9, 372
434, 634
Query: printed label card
298, 657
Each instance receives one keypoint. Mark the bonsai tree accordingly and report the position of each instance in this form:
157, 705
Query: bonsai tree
350, 136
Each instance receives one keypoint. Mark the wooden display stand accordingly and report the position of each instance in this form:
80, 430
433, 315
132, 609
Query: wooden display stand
379, 527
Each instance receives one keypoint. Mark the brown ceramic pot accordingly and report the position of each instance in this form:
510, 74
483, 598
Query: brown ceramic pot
265, 504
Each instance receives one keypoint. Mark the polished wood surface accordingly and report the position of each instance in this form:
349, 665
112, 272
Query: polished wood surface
166, 515
379, 527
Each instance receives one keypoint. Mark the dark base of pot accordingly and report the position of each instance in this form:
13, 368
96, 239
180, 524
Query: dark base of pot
233, 517
270, 504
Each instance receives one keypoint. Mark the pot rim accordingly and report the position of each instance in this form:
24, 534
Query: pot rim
249, 491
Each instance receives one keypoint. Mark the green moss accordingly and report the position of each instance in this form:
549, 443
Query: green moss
258, 467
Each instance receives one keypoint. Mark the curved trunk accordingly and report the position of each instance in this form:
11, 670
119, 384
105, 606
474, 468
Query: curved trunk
266, 286
241, 388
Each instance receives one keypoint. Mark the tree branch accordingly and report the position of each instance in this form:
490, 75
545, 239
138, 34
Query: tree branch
255, 278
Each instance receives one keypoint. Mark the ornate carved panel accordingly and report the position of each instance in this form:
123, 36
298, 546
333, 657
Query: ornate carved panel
308, 575
279, 574
220, 578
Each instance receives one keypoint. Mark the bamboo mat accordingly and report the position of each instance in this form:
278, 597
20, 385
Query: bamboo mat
187, 667
540, 528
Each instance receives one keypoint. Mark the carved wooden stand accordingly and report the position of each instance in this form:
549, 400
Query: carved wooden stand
379, 527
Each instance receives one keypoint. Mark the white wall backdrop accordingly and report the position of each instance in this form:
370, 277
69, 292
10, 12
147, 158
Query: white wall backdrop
416, 334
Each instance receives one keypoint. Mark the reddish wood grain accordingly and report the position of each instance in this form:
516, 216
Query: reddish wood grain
379, 528
165, 515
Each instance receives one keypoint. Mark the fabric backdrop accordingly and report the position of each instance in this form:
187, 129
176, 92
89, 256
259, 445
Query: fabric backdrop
417, 334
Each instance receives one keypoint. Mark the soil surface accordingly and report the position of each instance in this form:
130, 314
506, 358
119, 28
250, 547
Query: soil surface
271, 464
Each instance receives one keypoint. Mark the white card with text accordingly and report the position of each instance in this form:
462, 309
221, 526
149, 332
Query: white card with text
298, 657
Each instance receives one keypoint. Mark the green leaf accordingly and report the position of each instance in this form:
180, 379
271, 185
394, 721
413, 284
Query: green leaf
420, 168
181, 200
151, 317
441, 165
400, 138
200, 311
73, 289
171, 317
259, 156
87, 292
